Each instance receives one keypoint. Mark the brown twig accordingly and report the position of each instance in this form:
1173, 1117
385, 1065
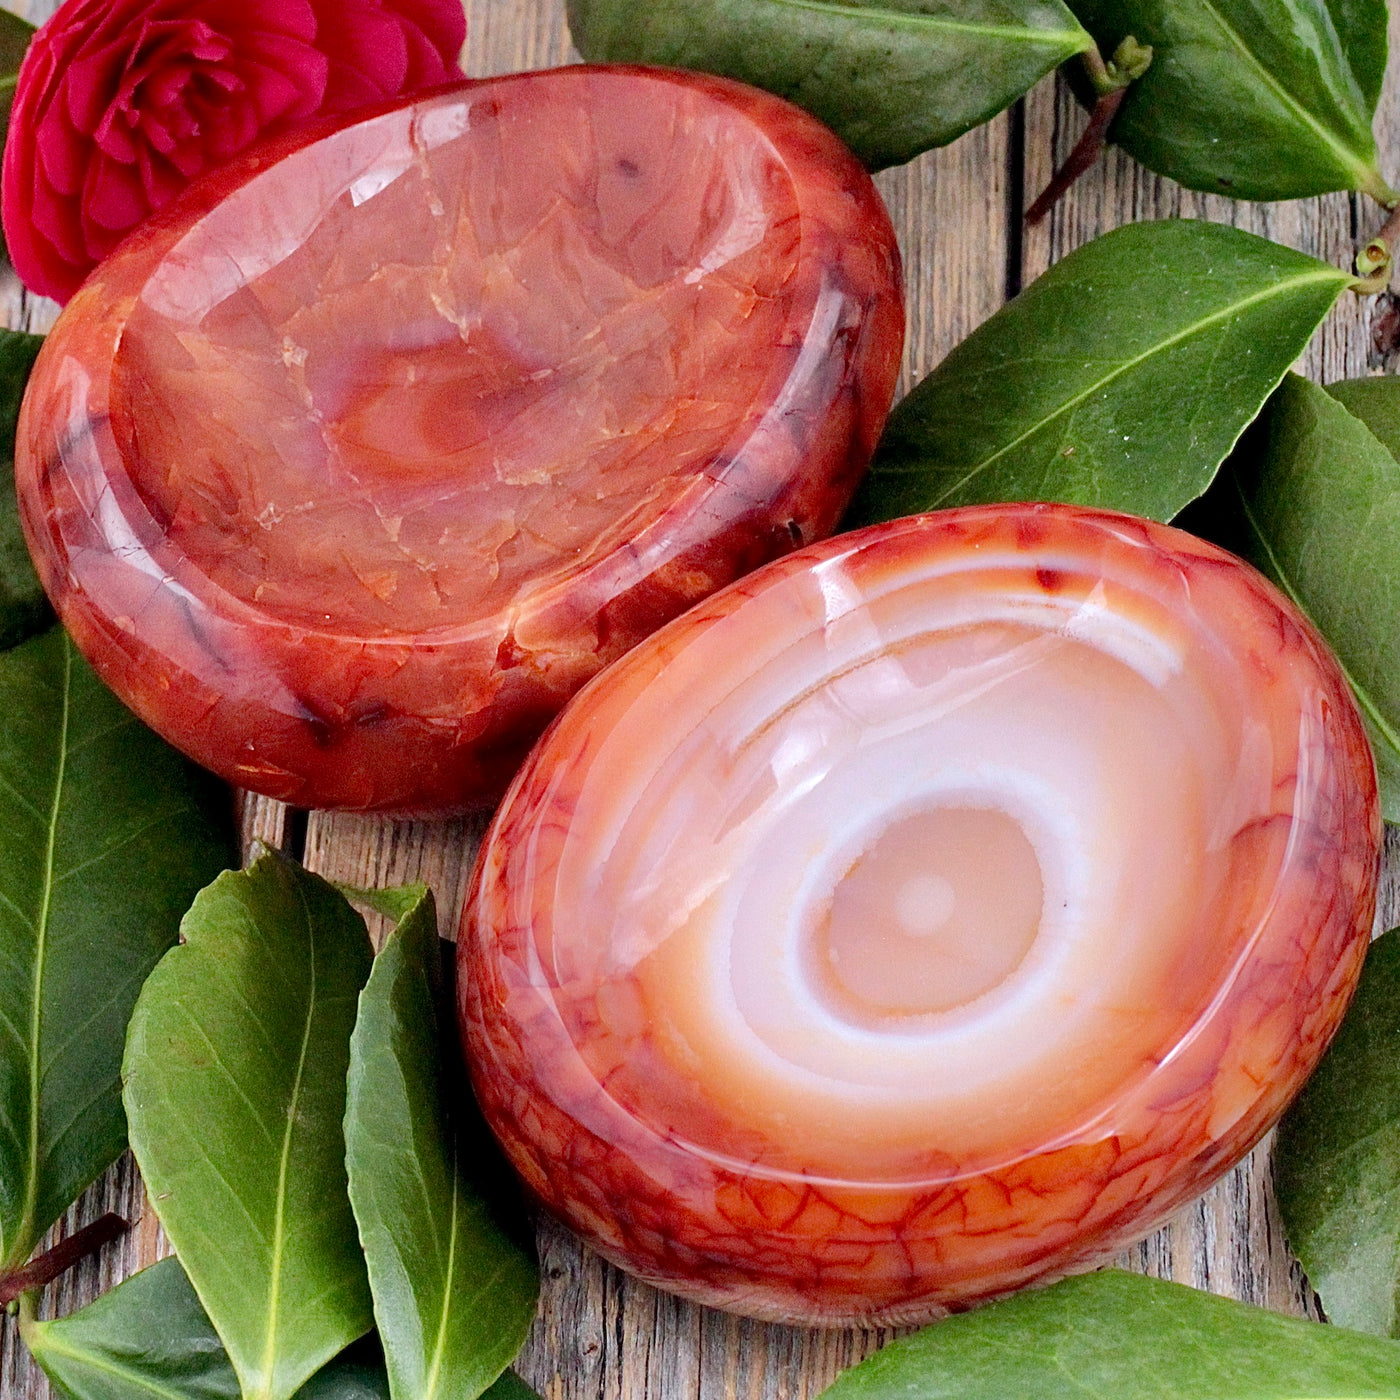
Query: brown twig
58, 1260
1110, 81
1083, 157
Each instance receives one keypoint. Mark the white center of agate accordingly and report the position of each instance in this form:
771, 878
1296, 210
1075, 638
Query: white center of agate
924, 905
940, 908
936, 873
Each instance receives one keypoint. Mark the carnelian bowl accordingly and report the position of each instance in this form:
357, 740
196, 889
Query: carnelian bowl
350, 467
930, 913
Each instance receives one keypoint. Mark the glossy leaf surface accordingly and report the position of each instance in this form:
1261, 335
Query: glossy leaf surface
1123, 1336
1336, 1156
1361, 27
1121, 378
107, 835
150, 1339
454, 1294
511, 1387
1257, 99
348, 1377
1320, 500
890, 77
235, 1087
1376, 402
23, 608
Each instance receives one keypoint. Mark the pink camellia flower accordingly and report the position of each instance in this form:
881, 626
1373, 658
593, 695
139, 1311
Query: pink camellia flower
121, 103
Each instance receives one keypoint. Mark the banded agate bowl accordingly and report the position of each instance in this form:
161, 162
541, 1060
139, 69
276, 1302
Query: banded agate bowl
348, 469
930, 913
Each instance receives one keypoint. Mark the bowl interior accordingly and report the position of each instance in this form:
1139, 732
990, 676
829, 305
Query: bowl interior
439, 358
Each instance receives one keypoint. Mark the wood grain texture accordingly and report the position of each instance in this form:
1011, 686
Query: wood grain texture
599, 1334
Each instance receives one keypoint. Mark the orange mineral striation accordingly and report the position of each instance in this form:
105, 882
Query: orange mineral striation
351, 467
932, 912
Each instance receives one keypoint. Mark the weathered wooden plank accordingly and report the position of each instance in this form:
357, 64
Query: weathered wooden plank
261, 820
371, 852
952, 212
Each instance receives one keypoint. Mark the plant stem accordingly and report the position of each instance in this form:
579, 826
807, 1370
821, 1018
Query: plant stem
1111, 82
1377, 188
1099, 75
47, 1267
1375, 262
1084, 156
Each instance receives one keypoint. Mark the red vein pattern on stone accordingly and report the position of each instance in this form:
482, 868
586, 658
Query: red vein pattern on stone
350, 467
930, 913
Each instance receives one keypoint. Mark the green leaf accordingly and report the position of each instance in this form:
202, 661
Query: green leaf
891, 77
454, 1295
1257, 99
1376, 402
396, 902
150, 1339
1121, 378
1118, 1336
15, 35
1319, 497
24, 610
351, 1376
511, 1387
1361, 28
105, 835
1337, 1158
235, 1087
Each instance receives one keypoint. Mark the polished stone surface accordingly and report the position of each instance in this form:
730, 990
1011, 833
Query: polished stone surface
932, 912
349, 469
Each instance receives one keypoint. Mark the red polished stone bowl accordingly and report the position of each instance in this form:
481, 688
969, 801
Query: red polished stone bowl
347, 470
930, 913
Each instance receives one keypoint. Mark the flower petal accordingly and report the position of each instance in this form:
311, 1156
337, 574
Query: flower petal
443, 23
60, 222
63, 153
162, 179
367, 51
113, 202
121, 102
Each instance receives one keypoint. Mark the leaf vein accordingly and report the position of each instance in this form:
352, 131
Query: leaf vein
107, 852
279, 1217
23, 801
440, 1344
1195, 328
1348, 157
50, 1344
41, 931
